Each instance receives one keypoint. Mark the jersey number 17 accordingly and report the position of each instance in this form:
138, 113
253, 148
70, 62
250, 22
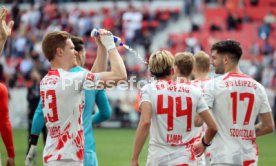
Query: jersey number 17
242, 97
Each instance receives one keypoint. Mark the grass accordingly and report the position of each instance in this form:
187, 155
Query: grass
114, 148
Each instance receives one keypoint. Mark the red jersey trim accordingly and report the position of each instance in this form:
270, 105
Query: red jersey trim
53, 72
236, 75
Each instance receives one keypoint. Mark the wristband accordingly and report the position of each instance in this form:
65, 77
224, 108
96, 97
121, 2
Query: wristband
203, 143
33, 139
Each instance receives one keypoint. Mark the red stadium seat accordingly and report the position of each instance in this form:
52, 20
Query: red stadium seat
215, 14
256, 13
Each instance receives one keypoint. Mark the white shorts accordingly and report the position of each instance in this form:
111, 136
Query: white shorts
201, 160
64, 162
167, 156
251, 163
224, 164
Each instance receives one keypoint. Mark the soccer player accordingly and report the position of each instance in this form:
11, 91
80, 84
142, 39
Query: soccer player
201, 78
201, 69
168, 110
61, 94
236, 100
91, 96
5, 124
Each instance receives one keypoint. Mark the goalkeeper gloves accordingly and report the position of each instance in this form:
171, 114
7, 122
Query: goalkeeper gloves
32, 152
31, 156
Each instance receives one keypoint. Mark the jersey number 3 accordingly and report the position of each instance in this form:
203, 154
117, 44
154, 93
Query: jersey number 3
175, 103
242, 97
52, 105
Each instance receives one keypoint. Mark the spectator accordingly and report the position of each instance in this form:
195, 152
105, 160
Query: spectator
15, 14
269, 18
214, 27
193, 45
254, 49
267, 48
33, 97
132, 20
254, 2
267, 75
263, 31
233, 21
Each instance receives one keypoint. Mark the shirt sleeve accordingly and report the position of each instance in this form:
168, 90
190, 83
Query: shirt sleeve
38, 120
145, 95
209, 96
5, 124
81, 80
265, 106
201, 105
104, 112
91, 80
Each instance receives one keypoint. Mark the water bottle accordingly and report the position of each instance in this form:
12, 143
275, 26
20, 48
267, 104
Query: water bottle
117, 40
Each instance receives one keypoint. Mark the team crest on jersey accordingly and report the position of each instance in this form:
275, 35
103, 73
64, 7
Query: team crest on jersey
90, 76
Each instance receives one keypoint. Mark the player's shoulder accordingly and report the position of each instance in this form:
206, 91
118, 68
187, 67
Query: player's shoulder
195, 88
259, 86
72, 73
3, 88
53, 74
149, 86
201, 83
232, 76
191, 88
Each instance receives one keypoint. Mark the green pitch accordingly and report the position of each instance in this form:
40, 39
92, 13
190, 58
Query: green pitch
114, 148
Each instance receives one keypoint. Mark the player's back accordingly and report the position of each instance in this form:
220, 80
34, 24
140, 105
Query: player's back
62, 102
236, 100
89, 101
199, 131
174, 109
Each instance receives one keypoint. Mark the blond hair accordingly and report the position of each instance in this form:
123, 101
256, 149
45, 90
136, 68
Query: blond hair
52, 41
202, 62
161, 63
184, 61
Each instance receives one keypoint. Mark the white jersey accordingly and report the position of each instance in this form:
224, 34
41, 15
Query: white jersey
200, 131
62, 102
236, 100
202, 84
174, 109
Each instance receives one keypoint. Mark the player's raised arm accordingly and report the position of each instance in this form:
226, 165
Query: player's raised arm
100, 64
5, 30
118, 70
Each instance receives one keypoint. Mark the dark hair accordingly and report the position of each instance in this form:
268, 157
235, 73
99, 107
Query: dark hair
78, 43
52, 41
230, 47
